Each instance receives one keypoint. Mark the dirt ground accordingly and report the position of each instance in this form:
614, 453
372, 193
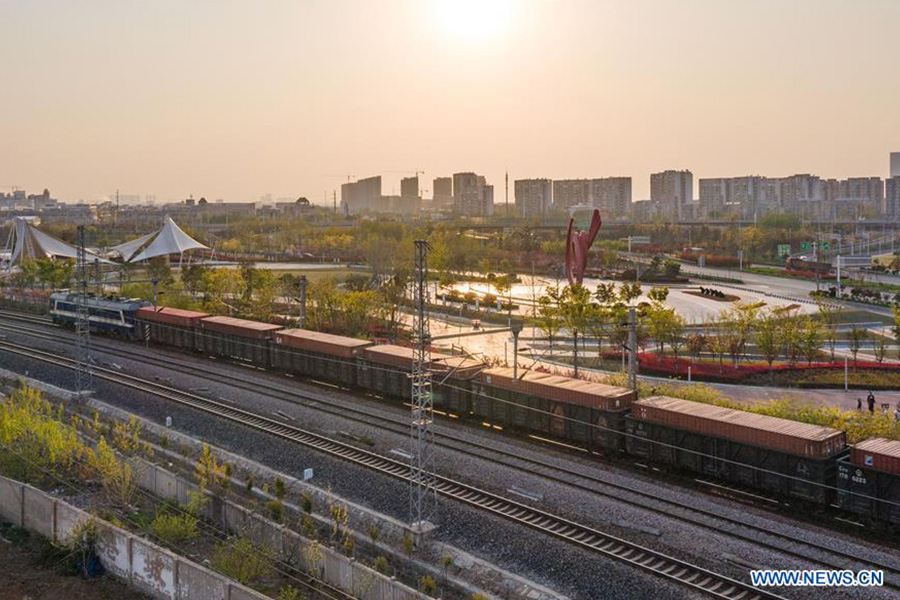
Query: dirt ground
23, 578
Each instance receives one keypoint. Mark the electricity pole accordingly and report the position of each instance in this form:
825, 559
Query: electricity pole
632, 348
82, 320
422, 492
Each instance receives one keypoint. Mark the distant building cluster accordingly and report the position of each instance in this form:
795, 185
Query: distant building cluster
808, 196
468, 194
365, 196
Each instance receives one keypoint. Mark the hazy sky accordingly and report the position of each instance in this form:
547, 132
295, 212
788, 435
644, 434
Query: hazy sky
236, 99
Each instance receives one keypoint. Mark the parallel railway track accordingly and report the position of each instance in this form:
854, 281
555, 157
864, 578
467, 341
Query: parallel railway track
696, 516
652, 561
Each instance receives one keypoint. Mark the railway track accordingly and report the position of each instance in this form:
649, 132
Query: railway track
646, 559
697, 516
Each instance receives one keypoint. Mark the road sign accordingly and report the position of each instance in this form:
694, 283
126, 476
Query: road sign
824, 246
784, 250
805, 245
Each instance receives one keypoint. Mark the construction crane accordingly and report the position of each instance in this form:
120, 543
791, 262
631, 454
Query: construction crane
415, 172
349, 177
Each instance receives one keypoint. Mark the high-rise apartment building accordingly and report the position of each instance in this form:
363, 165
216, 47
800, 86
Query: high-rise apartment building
802, 195
472, 196
533, 197
726, 197
410, 202
674, 192
363, 195
442, 192
854, 198
612, 195
409, 187
571, 192
892, 197
895, 164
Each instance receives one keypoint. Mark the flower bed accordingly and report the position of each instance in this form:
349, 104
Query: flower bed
653, 364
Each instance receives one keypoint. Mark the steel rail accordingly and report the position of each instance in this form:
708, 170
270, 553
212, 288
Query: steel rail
466, 445
652, 561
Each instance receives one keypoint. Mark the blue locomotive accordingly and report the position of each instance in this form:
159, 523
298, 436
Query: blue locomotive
110, 315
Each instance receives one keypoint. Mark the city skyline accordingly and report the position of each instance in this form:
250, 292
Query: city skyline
242, 101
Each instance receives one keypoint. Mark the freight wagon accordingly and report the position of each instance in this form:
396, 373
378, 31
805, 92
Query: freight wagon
236, 338
553, 405
776, 455
319, 355
170, 326
386, 369
785, 457
868, 481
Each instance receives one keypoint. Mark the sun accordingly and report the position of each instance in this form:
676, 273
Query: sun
475, 19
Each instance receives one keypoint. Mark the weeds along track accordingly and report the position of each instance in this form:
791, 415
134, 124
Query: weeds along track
682, 572
698, 516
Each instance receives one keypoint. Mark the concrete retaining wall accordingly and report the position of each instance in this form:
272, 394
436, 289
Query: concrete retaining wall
335, 568
146, 566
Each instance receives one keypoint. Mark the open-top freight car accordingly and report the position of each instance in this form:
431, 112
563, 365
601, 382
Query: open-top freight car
113, 316
868, 481
237, 338
386, 369
579, 411
786, 457
170, 326
320, 355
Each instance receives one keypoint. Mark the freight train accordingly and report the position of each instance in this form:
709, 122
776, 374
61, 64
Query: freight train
803, 462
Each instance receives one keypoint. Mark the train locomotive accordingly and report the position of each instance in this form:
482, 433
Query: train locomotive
809, 464
112, 316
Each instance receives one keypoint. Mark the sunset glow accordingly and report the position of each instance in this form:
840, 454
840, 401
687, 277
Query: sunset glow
475, 19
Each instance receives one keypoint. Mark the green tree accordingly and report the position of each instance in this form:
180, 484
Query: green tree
856, 337
575, 304
896, 327
768, 338
629, 292
222, 287
549, 313
696, 343
830, 315
811, 335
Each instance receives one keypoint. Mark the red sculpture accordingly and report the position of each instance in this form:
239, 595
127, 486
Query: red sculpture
578, 245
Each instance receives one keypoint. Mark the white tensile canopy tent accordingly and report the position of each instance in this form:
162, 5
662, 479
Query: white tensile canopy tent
31, 243
169, 239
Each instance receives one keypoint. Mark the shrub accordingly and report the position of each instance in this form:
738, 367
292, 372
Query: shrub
408, 544
349, 545
280, 488
306, 502
276, 510
174, 529
289, 592
241, 560
381, 565
308, 527
428, 585
374, 533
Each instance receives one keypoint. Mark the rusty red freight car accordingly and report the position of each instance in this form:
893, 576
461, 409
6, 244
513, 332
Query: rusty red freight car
573, 409
170, 326
316, 354
237, 338
780, 455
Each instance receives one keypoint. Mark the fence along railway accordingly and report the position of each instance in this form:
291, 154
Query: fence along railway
649, 560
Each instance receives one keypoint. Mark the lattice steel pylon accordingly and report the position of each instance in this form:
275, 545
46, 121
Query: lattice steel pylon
422, 491
82, 320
